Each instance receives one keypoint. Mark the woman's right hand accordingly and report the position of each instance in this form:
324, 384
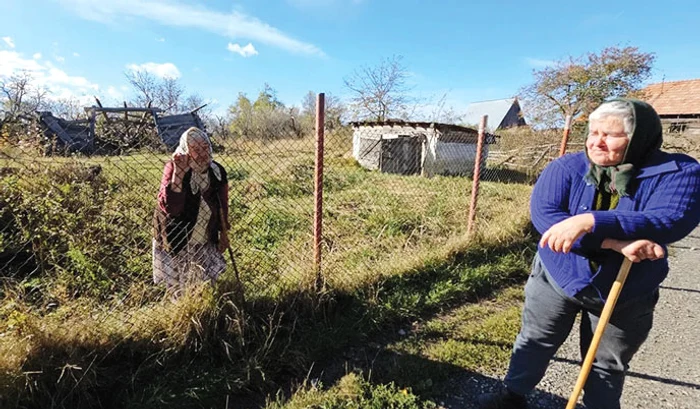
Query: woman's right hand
181, 162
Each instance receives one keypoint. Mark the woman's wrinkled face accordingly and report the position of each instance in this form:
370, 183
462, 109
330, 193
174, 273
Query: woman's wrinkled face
607, 141
199, 152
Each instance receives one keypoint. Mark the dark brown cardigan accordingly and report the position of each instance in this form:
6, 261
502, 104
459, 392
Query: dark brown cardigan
176, 213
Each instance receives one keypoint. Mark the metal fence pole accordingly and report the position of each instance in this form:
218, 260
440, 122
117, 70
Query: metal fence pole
477, 174
318, 188
565, 137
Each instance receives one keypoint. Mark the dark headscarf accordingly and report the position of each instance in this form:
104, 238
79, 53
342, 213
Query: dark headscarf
645, 139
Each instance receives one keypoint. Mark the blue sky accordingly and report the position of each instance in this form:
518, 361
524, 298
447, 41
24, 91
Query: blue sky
471, 50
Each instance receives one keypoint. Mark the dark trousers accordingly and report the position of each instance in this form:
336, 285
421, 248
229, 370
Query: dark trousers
548, 316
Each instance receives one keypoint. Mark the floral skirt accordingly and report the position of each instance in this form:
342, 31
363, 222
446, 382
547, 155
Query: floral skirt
193, 264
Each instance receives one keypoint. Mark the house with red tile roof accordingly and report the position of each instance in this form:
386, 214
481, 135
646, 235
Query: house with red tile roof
677, 103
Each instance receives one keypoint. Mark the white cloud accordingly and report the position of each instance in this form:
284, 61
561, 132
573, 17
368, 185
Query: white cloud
59, 83
114, 93
171, 13
76, 55
37, 56
160, 40
12, 62
539, 63
59, 58
247, 51
9, 42
165, 70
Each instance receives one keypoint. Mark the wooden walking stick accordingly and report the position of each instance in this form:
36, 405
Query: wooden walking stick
600, 329
224, 232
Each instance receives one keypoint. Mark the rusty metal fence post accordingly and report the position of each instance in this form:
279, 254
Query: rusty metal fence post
318, 188
477, 174
565, 137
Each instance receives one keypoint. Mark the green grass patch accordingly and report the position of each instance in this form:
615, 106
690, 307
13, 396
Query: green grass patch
352, 392
471, 338
79, 318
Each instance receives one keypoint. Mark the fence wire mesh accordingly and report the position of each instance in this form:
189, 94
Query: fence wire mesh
81, 204
78, 198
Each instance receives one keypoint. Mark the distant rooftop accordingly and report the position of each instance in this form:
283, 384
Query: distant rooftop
496, 109
674, 97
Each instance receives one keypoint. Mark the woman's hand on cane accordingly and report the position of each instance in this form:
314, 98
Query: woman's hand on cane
635, 250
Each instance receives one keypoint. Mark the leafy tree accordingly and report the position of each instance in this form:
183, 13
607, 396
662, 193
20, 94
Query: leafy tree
575, 86
265, 118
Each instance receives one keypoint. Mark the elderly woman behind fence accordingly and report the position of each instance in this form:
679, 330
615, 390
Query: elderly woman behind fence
623, 197
188, 239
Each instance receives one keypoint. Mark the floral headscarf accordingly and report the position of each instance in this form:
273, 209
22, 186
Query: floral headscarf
200, 175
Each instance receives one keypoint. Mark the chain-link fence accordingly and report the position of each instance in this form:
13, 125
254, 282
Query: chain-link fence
99, 209
81, 198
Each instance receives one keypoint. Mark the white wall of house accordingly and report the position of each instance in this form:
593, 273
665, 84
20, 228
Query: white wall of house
450, 158
437, 157
370, 159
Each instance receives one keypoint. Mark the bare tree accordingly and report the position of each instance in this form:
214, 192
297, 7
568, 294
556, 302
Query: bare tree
19, 97
308, 104
334, 112
166, 93
69, 108
193, 102
169, 95
443, 113
220, 126
145, 84
380, 92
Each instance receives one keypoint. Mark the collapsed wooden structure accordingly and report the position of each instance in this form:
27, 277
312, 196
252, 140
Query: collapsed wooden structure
115, 129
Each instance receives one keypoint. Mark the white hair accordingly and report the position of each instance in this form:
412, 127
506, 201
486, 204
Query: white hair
619, 109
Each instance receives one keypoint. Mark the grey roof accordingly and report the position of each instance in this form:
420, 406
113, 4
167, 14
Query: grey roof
490, 138
495, 109
170, 127
400, 122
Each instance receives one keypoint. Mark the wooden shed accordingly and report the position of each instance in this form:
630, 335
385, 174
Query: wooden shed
67, 136
677, 103
170, 127
409, 148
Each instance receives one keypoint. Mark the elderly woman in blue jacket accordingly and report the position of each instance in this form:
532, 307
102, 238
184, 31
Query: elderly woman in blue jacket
622, 197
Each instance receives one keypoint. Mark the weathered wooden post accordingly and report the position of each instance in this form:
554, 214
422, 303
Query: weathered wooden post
565, 137
318, 189
477, 175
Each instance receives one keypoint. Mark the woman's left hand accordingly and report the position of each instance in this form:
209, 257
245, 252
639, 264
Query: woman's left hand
635, 250
562, 236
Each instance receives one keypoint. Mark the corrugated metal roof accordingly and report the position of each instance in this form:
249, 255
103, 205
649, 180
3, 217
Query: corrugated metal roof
414, 124
495, 109
490, 138
171, 127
